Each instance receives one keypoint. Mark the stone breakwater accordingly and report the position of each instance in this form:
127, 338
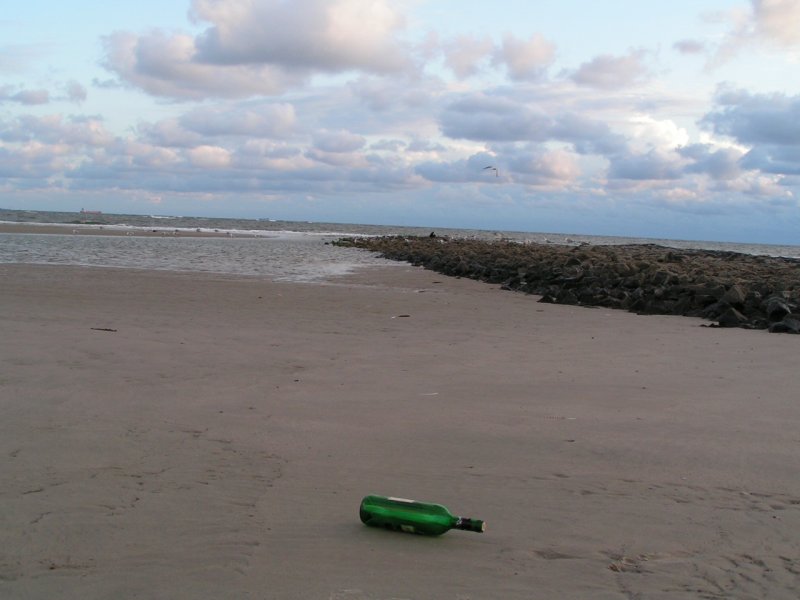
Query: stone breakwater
732, 289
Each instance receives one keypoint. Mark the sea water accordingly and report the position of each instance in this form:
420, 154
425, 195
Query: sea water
300, 258
277, 250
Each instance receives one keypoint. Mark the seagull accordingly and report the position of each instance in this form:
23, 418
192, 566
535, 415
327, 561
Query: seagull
496, 172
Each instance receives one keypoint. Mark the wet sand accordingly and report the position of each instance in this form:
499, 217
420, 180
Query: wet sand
185, 436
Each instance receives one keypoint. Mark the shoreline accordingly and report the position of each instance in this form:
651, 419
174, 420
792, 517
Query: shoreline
188, 435
112, 230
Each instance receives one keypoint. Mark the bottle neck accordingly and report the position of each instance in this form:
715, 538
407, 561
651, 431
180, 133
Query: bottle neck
466, 524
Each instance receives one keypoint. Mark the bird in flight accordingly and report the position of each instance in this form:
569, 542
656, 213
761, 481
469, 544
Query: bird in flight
496, 172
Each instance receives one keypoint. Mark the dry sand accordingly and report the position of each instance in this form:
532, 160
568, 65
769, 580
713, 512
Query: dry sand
189, 436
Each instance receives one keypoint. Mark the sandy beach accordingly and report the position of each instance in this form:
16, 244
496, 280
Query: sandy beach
187, 436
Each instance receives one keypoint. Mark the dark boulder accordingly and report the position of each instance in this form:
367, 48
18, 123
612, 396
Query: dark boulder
735, 296
789, 324
736, 290
731, 318
776, 308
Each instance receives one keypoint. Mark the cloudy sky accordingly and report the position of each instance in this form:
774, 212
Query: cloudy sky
672, 119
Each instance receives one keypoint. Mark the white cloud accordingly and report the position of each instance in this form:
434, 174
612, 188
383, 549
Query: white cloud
521, 59
772, 23
777, 21
779, 160
261, 47
756, 184
645, 132
270, 120
338, 141
34, 160
165, 65
24, 96
653, 151
651, 165
75, 92
754, 119
469, 169
136, 154
325, 35
539, 166
209, 157
494, 118
529, 165
529, 117
388, 145
396, 99
271, 159
609, 72
587, 135
54, 129
424, 145
338, 159
690, 46
170, 133
526, 59
464, 54
71, 91
718, 163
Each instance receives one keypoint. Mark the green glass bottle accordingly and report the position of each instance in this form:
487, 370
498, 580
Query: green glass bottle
399, 514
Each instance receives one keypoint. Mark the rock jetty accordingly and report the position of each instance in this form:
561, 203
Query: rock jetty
728, 288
